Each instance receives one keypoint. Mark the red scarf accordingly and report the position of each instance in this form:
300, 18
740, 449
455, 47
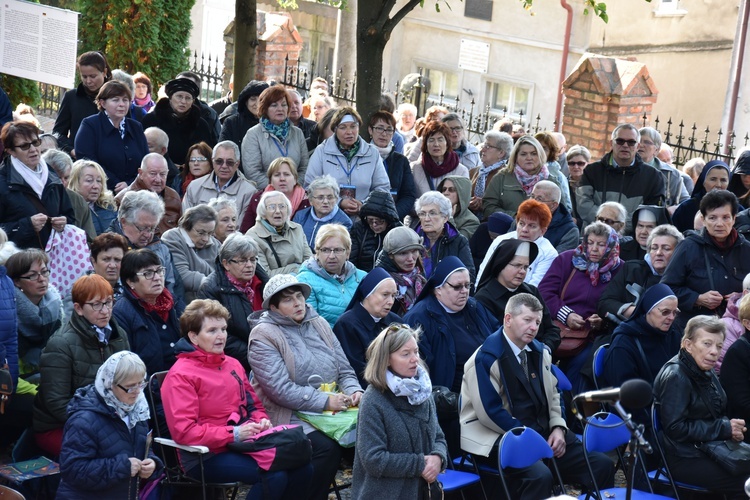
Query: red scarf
248, 288
161, 307
728, 243
450, 162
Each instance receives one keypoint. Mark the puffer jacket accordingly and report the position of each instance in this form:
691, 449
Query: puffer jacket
463, 218
36, 324
366, 245
284, 355
280, 253
182, 132
71, 359
330, 296
218, 287
8, 324
685, 418
149, 337
260, 148
94, 462
311, 224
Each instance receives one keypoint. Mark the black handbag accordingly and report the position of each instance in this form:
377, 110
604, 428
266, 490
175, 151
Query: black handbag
446, 402
732, 456
431, 491
283, 447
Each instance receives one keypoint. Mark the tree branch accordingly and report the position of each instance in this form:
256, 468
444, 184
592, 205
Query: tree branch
398, 16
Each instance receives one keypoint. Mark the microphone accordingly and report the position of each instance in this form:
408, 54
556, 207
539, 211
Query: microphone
633, 394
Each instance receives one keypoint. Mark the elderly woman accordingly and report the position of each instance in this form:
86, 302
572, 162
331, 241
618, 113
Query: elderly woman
366, 315
147, 311
494, 156
711, 264
397, 457
39, 307
614, 215
378, 217
204, 394
88, 179
246, 117
552, 151
226, 217
323, 194
692, 409
458, 190
319, 106
237, 282
573, 285
193, 247
107, 252
355, 164
527, 165
106, 435
34, 199
735, 365
441, 238
72, 357
644, 220
289, 348
577, 157
179, 116
80, 102
282, 242
62, 165
504, 278
112, 140
714, 176
401, 258
330, 274
274, 137
403, 189
438, 160
282, 177
198, 163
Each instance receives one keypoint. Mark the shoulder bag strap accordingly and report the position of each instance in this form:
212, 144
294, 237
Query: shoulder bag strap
643, 357
708, 269
572, 273
276, 256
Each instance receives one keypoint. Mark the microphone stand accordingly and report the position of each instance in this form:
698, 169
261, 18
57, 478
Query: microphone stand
637, 441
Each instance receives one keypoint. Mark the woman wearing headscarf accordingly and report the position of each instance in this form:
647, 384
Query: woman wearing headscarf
715, 175
366, 315
458, 190
740, 182
378, 217
645, 219
575, 282
105, 451
402, 259
504, 278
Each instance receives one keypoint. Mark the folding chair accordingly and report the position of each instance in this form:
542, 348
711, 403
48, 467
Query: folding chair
605, 432
456, 480
8, 493
597, 367
175, 477
522, 447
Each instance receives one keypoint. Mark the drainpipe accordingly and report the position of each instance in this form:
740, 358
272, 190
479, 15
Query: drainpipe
738, 70
564, 64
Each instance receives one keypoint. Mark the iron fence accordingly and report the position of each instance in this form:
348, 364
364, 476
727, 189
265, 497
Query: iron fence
211, 74
51, 97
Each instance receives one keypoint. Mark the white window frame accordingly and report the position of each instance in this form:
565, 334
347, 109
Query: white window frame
437, 87
669, 8
489, 98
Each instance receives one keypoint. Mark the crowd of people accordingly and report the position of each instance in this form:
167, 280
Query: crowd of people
275, 263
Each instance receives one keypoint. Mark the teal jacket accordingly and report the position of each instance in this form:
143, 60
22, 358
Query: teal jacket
329, 296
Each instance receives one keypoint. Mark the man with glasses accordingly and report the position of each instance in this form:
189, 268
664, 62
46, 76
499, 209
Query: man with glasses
619, 176
152, 176
468, 154
562, 232
494, 156
226, 179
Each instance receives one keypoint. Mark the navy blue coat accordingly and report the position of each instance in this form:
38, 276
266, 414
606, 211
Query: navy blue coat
76, 105
96, 447
8, 325
99, 141
150, 338
402, 181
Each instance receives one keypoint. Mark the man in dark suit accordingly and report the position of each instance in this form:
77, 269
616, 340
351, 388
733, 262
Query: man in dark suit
508, 383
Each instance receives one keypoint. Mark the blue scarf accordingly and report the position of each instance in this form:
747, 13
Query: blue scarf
280, 131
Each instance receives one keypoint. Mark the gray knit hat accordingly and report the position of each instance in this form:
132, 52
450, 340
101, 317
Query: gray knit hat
280, 282
402, 238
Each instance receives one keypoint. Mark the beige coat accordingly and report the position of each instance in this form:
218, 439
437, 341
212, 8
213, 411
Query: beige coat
203, 189
280, 254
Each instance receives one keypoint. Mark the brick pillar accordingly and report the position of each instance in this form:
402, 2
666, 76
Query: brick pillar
277, 39
601, 93
228, 58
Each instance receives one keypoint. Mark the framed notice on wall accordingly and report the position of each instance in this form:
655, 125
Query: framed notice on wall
474, 56
38, 42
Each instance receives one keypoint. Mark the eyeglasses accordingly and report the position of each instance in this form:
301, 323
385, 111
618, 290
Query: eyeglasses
35, 276
203, 234
456, 129
334, 251
609, 222
281, 207
459, 287
222, 161
381, 130
519, 267
630, 142
26, 145
149, 274
429, 215
450, 189
646, 142
487, 145
540, 199
98, 306
149, 230
324, 198
135, 388
577, 163
244, 262
375, 221
198, 158
183, 98
668, 312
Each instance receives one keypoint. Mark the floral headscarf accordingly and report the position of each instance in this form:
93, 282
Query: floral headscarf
105, 379
601, 270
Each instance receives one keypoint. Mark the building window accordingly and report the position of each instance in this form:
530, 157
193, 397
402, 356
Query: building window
670, 8
478, 9
509, 98
442, 81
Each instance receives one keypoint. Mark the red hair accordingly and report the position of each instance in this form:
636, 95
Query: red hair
89, 287
434, 128
535, 210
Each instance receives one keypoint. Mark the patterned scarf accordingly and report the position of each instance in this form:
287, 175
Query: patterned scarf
280, 131
348, 153
105, 379
528, 181
416, 389
431, 168
246, 287
412, 284
482, 177
601, 270
161, 307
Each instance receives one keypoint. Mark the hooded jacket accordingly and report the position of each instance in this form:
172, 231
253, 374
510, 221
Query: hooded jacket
235, 126
631, 186
182, 132
36, 324
742, 167
464, 219
562, 231
405, 289
366, 245
330, 295
684, 215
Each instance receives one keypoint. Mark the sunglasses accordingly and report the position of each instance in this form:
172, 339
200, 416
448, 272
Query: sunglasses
630, 142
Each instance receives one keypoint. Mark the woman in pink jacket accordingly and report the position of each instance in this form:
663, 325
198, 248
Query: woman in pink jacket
206, 394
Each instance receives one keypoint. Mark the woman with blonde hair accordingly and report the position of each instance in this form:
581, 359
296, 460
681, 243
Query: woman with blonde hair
90, 181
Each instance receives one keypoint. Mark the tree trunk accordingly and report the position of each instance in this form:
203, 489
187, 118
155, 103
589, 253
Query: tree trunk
245, 42
371, 40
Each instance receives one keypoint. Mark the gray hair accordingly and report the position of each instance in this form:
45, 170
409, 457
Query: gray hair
238, 245
227, 145
434, 198
625, 126
122, 76
515, 303
578, 150
222, 202
652, 134
500, 140
746, 282
551, 188
711, 324
324, 182
262, 211
129, 366
406, 106
452, 117
154, 156
664, 230
197, 214
158, 135
597, 229
135, 202
60, 161
622, 213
